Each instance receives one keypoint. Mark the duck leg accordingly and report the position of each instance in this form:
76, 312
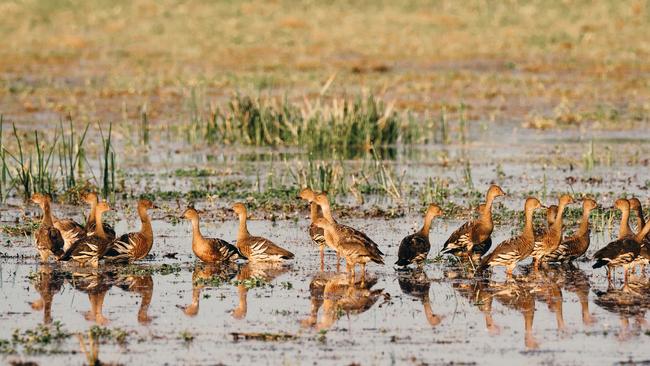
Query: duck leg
322, 258
338, 262
363, 274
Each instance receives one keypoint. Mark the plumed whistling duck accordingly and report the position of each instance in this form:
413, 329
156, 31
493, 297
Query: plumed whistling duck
90, 249
621, 252
513, 250
551, 238
256, 248
644, 255
209, 250
474, 236
315, 233
575, 246
134, 246
354, 251
92, 199
415, 247
70, 230
47, 238
346, 233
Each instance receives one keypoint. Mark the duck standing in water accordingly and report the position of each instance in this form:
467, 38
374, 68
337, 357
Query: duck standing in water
345, 233
134, 246
90, 249
256, 248
575, 246
209, 250
315, 233
474, 237
354, 250
92, 199
510, 252
549, 240
47, 238
415, 247
622, 252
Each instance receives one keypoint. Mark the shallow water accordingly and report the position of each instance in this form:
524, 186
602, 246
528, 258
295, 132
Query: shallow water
439, 316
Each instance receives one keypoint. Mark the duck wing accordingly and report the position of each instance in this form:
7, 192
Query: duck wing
131, 246
507, 252
414, 247
618, 252
256, 248
227, 250
350, 234
71, 231
460, 239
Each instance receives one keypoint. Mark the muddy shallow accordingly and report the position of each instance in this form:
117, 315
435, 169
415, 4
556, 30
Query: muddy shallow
387, 320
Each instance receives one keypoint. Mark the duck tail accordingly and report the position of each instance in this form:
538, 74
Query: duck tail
402, 262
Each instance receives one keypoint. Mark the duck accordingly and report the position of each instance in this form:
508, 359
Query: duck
621, 252
575, 246
134, 246
47, 238
209, 250
257, 248
475, 236
415, 247
624, 231
549, 240
644, 255
92, 199
315, 233
511, 251
90, 249
354, 250
346, 233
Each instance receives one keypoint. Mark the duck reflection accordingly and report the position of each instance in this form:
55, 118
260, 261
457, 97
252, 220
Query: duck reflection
576, 281
316, 297
518, 295
207, 275
47, 282
478, 292
143, 286
265, 272
416, 284
96, 284
547, 288
340, 296
630, 301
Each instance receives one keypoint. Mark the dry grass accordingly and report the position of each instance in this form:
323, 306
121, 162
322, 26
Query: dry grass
504, 59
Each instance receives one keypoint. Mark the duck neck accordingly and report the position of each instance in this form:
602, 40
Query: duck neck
327, 214
313, 211
624, 229
196, 230
486, 215
557, 225
428, 218
529, 233
146, 229
640, 220
99, 225
91, 214
243, 229
47, 214
584, 223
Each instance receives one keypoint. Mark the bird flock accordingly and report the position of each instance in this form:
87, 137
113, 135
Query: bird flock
96, 242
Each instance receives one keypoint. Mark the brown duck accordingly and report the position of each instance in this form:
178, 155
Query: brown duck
346, 234
474, 236
513, 250
575, 246
90, 249
209, 250
256, 248
551, 215
92, 199
354, 250
47, 238
134, 246
622, 252
549, 240
415, 247
315, 233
